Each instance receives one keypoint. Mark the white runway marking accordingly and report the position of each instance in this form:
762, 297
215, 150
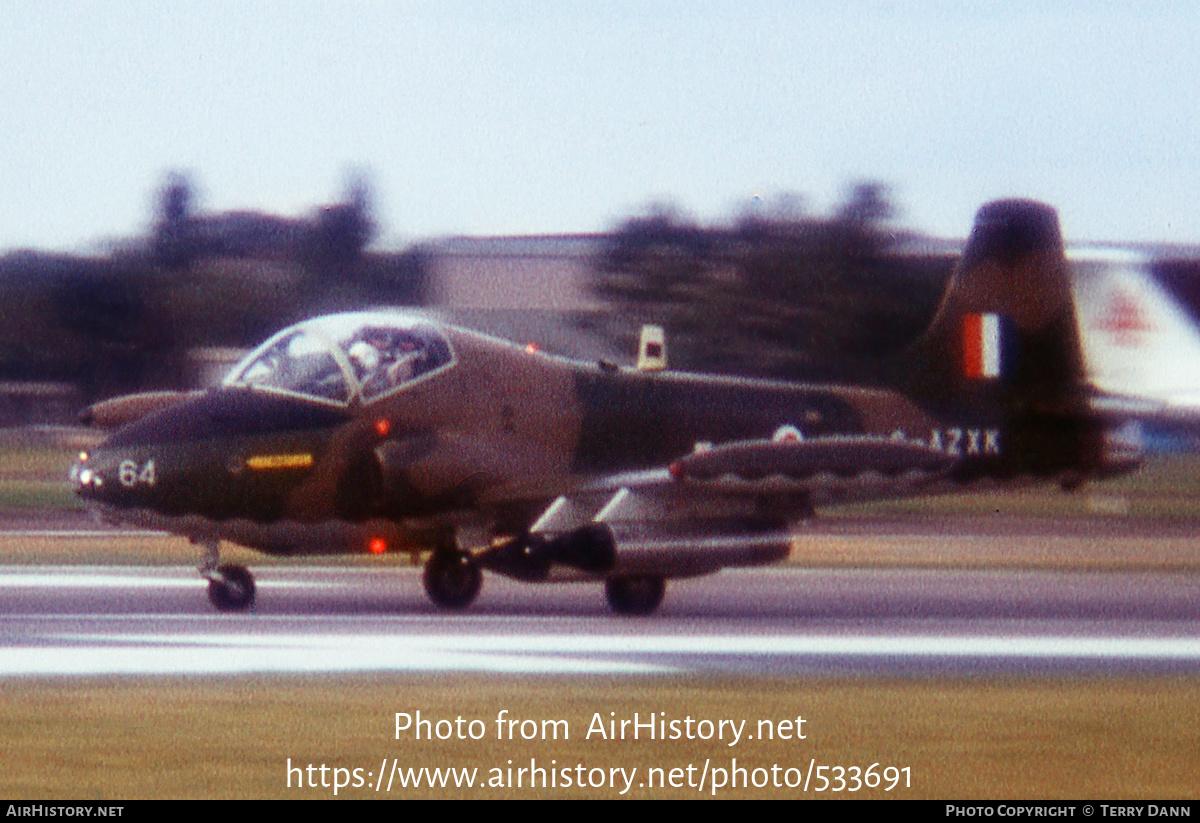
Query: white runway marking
83, 580
156, 621
110, 580
901, 645
613, 654
82, 533
289, 654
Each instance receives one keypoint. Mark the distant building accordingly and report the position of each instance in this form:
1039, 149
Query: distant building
531, 289
539, 273
210, 364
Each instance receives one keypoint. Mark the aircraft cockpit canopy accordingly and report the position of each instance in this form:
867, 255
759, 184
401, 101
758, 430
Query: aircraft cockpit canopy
345, 357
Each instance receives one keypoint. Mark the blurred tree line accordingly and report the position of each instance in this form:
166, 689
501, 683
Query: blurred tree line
126, 321
775, 292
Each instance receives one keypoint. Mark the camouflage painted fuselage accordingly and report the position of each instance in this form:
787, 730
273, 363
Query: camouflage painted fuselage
492, 433
491, 439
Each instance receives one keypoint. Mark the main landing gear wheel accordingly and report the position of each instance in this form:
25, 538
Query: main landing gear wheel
634, 595
232, 589
452, 579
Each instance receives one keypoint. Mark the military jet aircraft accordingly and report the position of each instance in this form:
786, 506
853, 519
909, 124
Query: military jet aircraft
380, 432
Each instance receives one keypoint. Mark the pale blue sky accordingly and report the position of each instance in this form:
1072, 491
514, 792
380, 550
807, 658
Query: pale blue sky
496, 118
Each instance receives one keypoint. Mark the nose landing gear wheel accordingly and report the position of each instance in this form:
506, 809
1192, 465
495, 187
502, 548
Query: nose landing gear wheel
232, 589
452, 580
634, 595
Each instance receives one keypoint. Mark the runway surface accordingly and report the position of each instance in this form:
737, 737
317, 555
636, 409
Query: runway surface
773, 621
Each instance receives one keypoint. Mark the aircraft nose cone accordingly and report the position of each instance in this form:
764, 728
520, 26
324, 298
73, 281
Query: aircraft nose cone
86, 478
96, 477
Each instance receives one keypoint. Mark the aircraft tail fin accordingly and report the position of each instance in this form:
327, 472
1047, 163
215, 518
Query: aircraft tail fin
1004, 341
1139, 344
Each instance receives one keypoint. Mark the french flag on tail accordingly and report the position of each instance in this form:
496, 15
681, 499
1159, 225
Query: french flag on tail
982, 345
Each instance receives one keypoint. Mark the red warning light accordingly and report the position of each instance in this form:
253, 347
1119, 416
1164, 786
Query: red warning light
532, 348
377, 545
383, 426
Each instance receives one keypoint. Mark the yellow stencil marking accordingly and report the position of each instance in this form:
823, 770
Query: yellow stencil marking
269, 462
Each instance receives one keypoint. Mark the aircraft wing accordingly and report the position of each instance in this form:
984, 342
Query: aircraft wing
821, 470
813, 466
719, 506
793, 464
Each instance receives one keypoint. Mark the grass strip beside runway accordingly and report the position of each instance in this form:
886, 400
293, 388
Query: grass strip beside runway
965, 739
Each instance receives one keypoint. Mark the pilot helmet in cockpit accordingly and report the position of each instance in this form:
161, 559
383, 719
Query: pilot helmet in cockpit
385, 358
